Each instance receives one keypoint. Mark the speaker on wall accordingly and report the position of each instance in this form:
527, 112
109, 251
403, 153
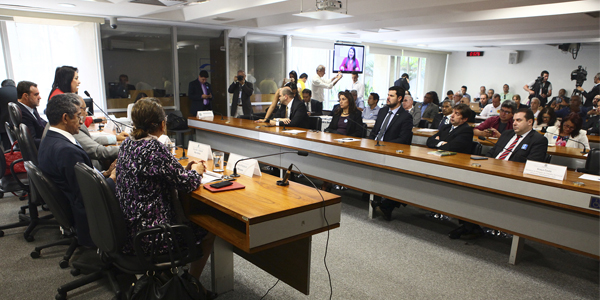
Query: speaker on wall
513, 58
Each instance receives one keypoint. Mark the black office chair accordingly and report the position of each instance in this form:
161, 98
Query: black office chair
15, 115
314, 123
180, 133
424, 124
108, 232
12, 135
592, 163
60, 208
548, 158
476, 148
13, 183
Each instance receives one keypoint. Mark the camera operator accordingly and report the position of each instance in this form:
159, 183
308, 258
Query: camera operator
540, 88
403, 82
241, 90
589, 96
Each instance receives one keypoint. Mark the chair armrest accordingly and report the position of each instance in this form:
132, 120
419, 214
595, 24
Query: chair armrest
157, 261
14, 174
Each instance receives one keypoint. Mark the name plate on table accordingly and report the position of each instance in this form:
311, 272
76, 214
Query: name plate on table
205, 114
198, 150
247, 167
545, 170
110, 126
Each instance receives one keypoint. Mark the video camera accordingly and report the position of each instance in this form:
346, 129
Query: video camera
579, 75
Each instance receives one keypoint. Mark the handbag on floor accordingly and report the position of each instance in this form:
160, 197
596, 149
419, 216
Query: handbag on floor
178, 285
12, 156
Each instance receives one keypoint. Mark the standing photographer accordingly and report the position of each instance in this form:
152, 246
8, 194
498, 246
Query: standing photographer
403, 82
241, 90
540, 88
589, 96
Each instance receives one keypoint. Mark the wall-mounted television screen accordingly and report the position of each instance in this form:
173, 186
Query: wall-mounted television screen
348, 58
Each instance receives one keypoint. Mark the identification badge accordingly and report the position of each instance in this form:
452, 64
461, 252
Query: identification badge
524, 147
345, 120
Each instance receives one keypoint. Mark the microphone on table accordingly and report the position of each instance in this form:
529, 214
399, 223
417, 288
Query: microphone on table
220, 114
285, 181
235, 174
183, 154
107, 117
361, 124
584, 148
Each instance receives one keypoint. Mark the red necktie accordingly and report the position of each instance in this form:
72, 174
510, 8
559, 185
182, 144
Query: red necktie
510, 148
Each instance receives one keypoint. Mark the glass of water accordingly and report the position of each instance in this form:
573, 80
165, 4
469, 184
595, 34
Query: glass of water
172, 145
218, 157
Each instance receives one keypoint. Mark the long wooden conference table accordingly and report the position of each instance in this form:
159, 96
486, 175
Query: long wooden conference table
266, 224
495, 194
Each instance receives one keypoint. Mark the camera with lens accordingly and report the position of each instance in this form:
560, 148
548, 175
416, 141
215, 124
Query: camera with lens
579, 75
240, 77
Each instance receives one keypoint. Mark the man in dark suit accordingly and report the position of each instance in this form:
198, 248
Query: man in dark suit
200, 94
313, 107
521, 143
394, 124
589, 96
8, 93
241, 90
402, 82
29, 100
457, 136
443, 118
58, 154
292, 113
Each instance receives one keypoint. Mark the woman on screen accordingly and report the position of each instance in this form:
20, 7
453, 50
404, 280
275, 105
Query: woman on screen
350, 63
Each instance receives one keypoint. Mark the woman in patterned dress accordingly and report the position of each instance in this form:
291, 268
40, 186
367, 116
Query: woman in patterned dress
146, 174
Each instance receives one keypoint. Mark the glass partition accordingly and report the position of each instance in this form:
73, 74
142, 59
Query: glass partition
266, 68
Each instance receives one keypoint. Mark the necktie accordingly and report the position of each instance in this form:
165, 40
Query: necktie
78, 144
39, 119
383, 126
510, 148
443, 122
204, 92
287, 112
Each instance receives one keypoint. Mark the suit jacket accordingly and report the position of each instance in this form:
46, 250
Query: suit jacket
247, 90
459, 140
36, 128
298, 114
437, 120
537, 146
57, 158
7, 94
589, 96
94, 150
416, 114
430, 111
195, 93
353, 129
316, 107
399, 129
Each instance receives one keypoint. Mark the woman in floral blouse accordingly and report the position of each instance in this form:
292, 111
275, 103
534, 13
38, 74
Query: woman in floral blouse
146, 174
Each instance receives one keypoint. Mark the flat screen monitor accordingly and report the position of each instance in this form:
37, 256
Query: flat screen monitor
348, 58
90, 105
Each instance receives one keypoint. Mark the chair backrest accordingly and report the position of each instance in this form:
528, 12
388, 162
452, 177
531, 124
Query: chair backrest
14, 113
55, 199
548, 158
423, 124
592, 163
476, 148
10, 131
27, 145
314, 123
105, 218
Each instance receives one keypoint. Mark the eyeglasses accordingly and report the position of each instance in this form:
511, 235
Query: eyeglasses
502, 111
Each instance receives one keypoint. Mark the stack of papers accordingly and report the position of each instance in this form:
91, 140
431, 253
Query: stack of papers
209, 176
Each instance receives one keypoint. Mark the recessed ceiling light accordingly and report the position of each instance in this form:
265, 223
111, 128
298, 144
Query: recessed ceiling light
323, 15
67, 4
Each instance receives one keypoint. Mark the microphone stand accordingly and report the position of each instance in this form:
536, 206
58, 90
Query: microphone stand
107, 117
285, 181
235, 174
584, 148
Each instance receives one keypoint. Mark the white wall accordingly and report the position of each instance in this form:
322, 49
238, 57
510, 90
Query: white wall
493, 70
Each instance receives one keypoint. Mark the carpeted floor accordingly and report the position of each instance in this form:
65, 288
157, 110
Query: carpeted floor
410, 257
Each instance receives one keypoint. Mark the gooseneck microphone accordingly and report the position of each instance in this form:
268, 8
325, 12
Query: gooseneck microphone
220, 114
235, 174
107, 117
285, 181
584, 148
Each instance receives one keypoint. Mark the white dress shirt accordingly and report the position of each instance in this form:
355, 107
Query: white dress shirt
319, 84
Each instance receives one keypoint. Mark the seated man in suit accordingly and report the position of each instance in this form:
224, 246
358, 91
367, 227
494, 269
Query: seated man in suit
458, 135
200, 94
29, 99
429, 109
97, 152
494, 126
415, 111
394, 125
8, 93
313, 107
292, 113
443, 118
59, 152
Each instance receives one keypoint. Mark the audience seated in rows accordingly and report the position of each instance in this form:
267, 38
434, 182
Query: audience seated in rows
313, 107
506, 94
535, 106
429, 108
518, 105
414, 111
443, 118
463, 90
494, 126
456, 136
372, 109
546, 118
492, 109
574, 107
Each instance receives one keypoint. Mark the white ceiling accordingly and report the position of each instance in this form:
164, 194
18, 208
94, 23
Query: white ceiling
451, 25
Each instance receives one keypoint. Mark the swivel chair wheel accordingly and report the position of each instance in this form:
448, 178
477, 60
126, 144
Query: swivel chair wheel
35, 254
61, 297
75, 272
63, 264
29, 238
1, 233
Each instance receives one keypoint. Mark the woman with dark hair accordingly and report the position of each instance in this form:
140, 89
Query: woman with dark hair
346, 110
293, 79
148, 174
66, 80
350, 63
569, 133
546, 118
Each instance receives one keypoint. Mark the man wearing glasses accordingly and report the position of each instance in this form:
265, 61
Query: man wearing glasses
494, 126
29, 100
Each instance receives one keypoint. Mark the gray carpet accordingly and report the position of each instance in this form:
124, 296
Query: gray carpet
410, 257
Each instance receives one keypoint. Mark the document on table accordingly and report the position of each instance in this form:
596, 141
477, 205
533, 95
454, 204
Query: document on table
209, 176
294, 131
345, 140
590, 177
427, 130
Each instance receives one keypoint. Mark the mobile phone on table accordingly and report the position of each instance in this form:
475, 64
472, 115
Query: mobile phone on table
221, 184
